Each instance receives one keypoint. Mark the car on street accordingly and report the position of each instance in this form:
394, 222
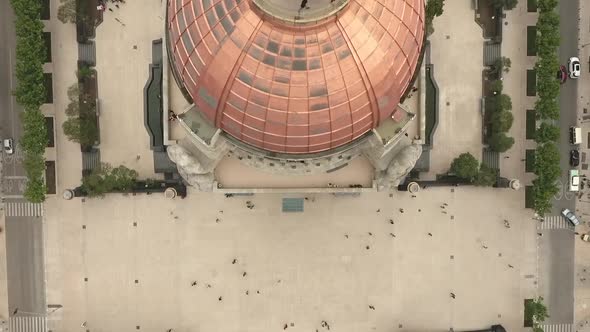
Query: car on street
574, 158
586, 237
562, 74
8, 144
574, 67
574, 180
570, 216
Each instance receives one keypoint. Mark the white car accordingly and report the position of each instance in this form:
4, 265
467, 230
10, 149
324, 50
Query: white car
8, 145
570, 216
573, 66
574, 180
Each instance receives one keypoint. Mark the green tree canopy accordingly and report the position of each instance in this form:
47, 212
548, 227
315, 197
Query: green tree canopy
546, 133
105, 179
66, 12
501, 121
486, 176
499, 142
465, 166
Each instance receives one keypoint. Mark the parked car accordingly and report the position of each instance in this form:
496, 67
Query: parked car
574, 158
574, 180
574, 67
562, 74
586, 237
570, 216
8, 146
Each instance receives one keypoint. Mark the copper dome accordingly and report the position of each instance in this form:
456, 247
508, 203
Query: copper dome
266, 79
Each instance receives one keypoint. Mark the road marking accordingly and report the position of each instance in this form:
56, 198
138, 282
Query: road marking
555, 222
24, 209
31, 322
558, 328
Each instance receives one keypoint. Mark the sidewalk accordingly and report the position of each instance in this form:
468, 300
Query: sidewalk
582, 249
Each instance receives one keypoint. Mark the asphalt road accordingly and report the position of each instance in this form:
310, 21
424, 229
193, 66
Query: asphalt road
25, 264
10, 126
556, 269
567, 100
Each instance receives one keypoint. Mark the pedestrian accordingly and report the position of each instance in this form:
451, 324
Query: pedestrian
346, 236
110, 9
367, 247
247, 292
453, 295
429, 234
510, 266
194, 283
244, 274
401, 210
208, 285
378, 210
116, 5
217, 220
220, 298
484, 246
371, 307
391, 221
234, 261
370, 234
506, 157
285, 326
540, 234
392, 235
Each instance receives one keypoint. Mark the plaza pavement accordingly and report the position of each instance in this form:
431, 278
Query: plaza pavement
123, 54
304, 267
457, 55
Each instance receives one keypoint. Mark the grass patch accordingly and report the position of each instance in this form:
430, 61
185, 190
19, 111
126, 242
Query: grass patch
47, 41
529, 199
48, 83
430, 105
531, 40
528, 313
50, 177
529, 165
49, 126
531, 124
531, 6
531, 82
45, 10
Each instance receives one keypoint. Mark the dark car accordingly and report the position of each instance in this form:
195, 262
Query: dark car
574, 158
562, 74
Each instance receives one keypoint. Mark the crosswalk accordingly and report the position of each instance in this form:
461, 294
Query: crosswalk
558, 328
554, 222
23, 209
33, 323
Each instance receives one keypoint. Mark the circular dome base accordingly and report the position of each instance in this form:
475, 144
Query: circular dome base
301, 12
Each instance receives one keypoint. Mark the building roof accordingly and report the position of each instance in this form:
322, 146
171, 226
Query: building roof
295, 79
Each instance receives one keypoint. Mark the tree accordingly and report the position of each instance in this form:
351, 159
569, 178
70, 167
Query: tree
501, 121
500, 102
502, 64
81, 124
104, 179
465, 166
499, 142
434, 8
66, 12
547, 162
546, 133
486, 176
30, 93
536, 311
496, 86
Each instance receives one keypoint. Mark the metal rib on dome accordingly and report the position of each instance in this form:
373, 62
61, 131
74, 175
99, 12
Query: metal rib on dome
301, 89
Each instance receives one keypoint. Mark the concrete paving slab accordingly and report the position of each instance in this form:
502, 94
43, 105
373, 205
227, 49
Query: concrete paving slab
308, 267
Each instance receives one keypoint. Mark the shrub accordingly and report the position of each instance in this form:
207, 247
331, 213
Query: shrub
81, 124
501, 121
66, 12
105, 178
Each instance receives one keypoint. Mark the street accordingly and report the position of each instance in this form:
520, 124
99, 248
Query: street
24, 229
13, 181
567, 102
